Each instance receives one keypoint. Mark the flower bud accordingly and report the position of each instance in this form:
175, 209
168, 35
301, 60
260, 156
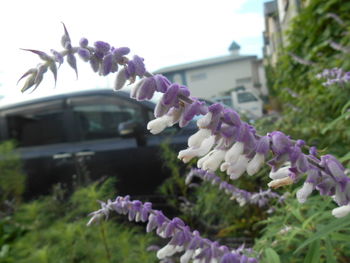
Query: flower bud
304, 192
83, 42
102, 47
120, 79
341, 211
84, 54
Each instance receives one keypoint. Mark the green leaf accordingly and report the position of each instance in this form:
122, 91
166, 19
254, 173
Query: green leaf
329, 252
345, 157
336, 225
272, 256
313, 254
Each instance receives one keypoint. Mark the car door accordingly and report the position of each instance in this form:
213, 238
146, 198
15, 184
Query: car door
40, 131
103, 149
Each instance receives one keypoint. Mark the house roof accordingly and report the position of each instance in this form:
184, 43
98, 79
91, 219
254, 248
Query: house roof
205, 62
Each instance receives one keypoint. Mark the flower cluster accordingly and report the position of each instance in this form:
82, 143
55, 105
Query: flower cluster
243, 197
223, 140
334, 76
182, 240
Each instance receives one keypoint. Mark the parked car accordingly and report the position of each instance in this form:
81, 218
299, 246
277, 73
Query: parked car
92, 133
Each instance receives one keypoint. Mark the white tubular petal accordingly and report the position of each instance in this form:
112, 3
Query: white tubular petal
158, 125
185, 258
189, 153
213, 162
235, 171
205, 120
341, 211
280, 182
304, 192
166, 251
203, 159
280, 173
206, 145
234, 152
224, 166
196, 139
214, 260
138, 217
135, 88
255, 164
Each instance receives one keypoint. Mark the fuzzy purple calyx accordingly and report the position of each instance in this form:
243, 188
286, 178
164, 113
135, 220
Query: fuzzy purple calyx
146, 89
102, 47
83, 42
191, 110
280, 142
231, 117
263, 145
84, 54
140, 69
170, 96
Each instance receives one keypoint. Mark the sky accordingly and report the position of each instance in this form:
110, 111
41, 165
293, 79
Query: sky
163, 32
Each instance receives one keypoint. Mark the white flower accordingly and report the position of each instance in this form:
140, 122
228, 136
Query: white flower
196, 139
205, 120
135, 88
255, 164
213, 162
341, 211
234, 152
224, 166
203, 159
235, 171
185, 258
189, 153
280, 173
280, 182
166, 251
159, 124
304, 192
95, 218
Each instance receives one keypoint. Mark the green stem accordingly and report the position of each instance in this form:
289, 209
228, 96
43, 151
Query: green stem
104, 239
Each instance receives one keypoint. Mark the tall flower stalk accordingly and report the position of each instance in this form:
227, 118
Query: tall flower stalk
223, 140
184, 241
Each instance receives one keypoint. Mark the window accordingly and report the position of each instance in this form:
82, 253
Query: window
243, 81
39, 124
198, 76
246, 97
99, 117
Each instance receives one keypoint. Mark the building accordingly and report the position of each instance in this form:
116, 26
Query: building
278, 16
272, 34
219, 76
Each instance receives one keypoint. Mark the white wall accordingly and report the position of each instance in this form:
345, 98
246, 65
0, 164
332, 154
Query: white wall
210, 81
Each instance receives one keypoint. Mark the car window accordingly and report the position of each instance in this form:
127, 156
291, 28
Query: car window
99, 117
37, 124
246, 97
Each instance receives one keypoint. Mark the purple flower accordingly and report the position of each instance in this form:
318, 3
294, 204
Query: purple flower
102, 47
84, 54
83, 42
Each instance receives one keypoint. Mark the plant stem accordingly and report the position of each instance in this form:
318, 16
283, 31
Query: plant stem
104, 239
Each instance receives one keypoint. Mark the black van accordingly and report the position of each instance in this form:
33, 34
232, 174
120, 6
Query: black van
92, 133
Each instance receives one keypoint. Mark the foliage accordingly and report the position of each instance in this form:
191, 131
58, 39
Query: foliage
12, 180
305, 233
55, 231
310, 110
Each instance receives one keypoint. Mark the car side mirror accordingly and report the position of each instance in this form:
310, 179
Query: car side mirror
132, 128
128, 128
